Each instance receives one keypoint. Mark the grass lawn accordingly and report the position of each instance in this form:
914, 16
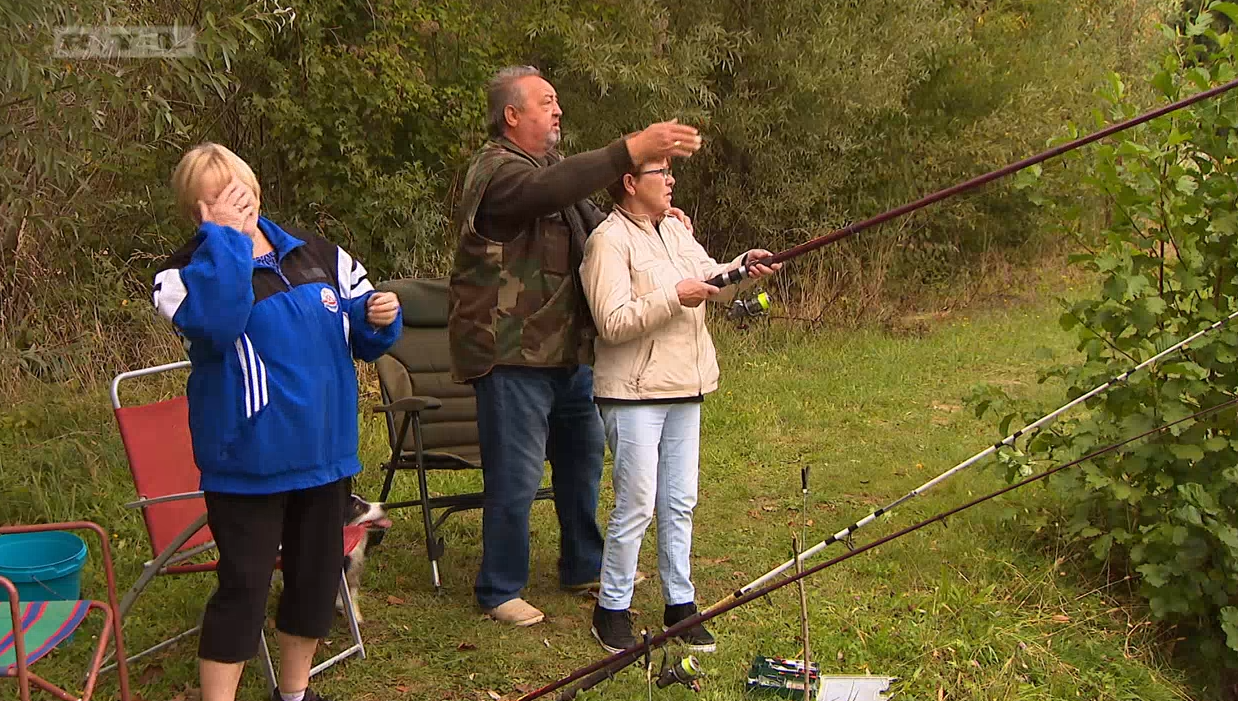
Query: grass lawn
979, 609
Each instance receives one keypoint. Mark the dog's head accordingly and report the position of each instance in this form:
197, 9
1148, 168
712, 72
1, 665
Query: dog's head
363, 513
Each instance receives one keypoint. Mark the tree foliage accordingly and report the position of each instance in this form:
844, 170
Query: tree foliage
359, 118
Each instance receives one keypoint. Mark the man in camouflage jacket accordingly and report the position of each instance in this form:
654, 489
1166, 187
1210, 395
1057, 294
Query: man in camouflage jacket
520, 330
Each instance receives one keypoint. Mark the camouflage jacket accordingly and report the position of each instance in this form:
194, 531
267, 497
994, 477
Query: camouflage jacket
515, 294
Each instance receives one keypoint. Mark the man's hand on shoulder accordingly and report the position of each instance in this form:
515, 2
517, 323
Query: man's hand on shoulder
683, 217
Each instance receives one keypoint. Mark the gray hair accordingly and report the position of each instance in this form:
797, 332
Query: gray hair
503, 91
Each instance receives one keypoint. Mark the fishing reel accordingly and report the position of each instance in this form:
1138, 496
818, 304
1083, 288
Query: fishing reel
685, 670
742, 309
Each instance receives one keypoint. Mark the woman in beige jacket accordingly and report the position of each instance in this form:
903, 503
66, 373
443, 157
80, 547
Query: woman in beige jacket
643, 274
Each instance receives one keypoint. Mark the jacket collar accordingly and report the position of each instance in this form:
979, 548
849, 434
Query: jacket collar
282, 241
642, 221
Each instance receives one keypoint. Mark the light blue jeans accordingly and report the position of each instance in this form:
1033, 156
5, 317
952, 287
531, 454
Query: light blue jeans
656, 449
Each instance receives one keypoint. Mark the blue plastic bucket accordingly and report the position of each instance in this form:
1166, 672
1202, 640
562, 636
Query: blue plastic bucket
44, 566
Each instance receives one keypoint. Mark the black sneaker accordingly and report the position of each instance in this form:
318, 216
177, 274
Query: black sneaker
613, 629
310, 695
696, 638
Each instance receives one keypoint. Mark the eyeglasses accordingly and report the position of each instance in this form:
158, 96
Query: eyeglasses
664, 172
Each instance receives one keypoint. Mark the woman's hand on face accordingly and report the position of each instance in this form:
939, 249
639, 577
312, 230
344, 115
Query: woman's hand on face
758, 270
235, 207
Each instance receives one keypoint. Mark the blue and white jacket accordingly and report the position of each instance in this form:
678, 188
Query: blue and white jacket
273, 391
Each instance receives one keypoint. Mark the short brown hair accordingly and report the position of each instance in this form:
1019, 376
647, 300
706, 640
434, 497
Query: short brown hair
616, 189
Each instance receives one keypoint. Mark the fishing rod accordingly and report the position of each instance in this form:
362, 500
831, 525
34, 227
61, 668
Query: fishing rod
734, 276
846, 533
593, 674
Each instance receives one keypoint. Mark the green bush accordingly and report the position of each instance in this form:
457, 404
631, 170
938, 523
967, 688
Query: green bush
360, 117
1164, 509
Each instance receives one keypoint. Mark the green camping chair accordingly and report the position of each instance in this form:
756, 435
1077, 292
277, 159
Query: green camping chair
431, 420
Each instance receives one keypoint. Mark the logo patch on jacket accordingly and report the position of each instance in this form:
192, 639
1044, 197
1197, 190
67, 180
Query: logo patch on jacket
329, 301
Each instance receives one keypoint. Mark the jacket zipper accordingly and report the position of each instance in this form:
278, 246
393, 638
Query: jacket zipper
696, 334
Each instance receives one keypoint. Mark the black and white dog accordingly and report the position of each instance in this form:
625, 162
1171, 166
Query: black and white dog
374, 518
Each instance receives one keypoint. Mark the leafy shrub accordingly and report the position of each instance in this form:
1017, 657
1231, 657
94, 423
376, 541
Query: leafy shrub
1166, 509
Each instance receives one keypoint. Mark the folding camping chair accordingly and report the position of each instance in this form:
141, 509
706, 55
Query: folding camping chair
35, 628
418, 394
160, 452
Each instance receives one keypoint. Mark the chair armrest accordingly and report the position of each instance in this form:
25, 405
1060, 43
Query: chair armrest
143, 503
409, 404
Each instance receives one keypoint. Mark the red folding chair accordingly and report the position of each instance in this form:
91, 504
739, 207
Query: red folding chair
160, 453
35, 628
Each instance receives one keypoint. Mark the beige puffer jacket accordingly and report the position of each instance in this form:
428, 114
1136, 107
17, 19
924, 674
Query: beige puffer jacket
649, 346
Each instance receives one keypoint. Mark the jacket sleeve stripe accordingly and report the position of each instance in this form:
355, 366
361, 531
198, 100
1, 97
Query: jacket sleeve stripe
240, 353
262, 374
351, 276
361, 288
169, 293
343, 272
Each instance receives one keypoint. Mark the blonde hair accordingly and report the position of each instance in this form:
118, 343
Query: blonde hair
204, 171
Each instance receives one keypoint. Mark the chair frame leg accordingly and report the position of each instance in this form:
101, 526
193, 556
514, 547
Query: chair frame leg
434, 544
149, 573
268, 669
19, 641
354, 629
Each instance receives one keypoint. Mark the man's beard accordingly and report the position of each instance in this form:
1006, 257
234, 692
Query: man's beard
552, 139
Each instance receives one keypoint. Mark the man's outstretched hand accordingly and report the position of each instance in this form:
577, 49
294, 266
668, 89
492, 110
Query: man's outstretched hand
663, 140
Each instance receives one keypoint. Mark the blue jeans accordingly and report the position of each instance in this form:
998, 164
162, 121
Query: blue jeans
524, 417
656, 448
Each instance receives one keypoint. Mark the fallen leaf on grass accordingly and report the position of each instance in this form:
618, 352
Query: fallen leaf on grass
769, 508
754, 514
493, 694
526, 688
466, 646
150, 674
395, 601
941, 693
401, 688
1061, 618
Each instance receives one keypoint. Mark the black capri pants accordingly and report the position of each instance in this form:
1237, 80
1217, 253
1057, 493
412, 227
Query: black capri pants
249, 530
